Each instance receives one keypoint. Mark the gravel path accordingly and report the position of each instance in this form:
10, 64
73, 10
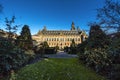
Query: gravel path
61, 54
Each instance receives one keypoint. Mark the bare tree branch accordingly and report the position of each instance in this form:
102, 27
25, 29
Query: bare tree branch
109, 15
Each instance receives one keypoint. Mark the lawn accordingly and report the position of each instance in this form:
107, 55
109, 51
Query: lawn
57, 69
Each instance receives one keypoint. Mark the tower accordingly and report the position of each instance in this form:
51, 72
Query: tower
72, 26
44, 29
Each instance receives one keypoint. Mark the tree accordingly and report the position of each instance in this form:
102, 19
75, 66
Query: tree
97, 38
109, 15
25, 39
73, 44
10, 27
73, 49
94, 50
45, 45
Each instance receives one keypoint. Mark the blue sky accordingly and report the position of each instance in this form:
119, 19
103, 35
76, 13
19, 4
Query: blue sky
55, 14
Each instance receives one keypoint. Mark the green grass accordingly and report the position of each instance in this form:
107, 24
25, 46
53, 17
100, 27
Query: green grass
57, 69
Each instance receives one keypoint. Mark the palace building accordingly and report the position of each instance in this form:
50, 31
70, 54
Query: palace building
61, 38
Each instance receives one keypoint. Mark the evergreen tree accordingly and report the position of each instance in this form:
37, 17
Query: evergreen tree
73, 49
73, 44
97, 38
94, 50
45, 45
25, 39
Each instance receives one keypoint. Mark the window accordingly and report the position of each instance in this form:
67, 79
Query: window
49, 39
63, 39
44, 39
68, 39
60, 39
82, 38
57, 39
78, 39
52, 39
75, 39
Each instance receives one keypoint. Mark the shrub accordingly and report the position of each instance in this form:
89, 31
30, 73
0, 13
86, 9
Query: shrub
114, 51
73, 50
11, 57
56, 49
66, 49
115, 73
98, 59
50, 51
81, 49
30, 53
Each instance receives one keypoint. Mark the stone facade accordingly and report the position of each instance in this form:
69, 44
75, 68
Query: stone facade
61, 38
